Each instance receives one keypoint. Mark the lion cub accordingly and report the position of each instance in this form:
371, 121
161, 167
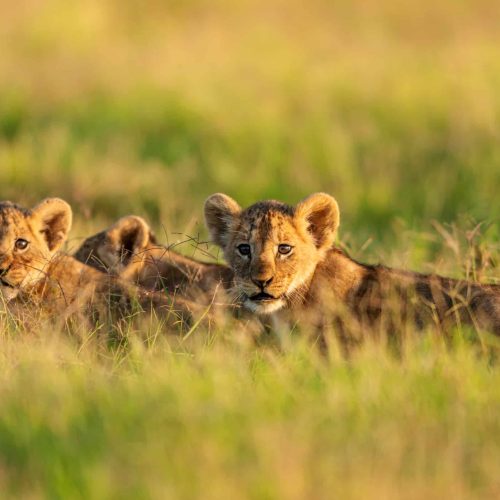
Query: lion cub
130, 250
34, 271
285, 264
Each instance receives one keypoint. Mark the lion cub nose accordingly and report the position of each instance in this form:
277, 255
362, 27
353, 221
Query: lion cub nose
262, 283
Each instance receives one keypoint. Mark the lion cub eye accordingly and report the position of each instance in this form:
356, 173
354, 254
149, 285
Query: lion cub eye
284, 249
244, 249
21, 244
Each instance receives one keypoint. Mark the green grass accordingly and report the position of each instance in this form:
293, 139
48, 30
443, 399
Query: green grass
228, 421
149, 107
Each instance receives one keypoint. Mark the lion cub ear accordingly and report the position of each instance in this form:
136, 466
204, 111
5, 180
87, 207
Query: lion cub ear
129, 236
53, 217
319, 213
220, 213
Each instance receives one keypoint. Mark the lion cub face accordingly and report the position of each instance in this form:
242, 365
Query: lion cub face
28, 241
273, 248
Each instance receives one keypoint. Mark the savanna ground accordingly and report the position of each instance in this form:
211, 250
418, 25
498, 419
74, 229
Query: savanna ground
148, 107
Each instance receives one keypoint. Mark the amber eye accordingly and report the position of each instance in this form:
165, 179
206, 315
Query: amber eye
284, 249
244, 249
21, 244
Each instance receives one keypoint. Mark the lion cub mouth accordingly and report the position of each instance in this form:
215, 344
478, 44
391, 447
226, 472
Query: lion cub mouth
4, 283
262, 297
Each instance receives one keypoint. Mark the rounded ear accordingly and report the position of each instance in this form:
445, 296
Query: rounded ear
221, 211
130, 236
53, 217
319, 215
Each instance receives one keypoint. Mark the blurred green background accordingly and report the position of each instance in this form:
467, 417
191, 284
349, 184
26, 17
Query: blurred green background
147, 107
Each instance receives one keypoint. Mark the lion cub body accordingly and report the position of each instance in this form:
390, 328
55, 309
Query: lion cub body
285, 265
34, 271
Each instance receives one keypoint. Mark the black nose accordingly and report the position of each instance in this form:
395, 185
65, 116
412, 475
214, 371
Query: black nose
263, 283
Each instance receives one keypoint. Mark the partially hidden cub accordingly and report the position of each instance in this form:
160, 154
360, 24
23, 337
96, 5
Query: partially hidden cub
130, 250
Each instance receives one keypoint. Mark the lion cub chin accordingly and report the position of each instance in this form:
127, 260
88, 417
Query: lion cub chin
285, 265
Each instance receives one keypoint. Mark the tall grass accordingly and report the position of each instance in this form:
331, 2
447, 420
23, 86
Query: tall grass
229, 421
149, 107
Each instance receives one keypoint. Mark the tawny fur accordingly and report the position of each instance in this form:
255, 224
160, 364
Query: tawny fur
317, 281
34, 271
130, 250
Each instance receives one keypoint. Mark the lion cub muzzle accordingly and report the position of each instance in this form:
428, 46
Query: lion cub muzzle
3, 272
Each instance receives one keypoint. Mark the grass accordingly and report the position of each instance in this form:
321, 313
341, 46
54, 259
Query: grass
228, 421
149, 107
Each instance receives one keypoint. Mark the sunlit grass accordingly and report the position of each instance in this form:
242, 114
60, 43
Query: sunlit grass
248, 423
149, 107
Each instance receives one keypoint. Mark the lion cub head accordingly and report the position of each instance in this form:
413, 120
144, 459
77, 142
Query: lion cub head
121, 249
273, 248
28, 241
